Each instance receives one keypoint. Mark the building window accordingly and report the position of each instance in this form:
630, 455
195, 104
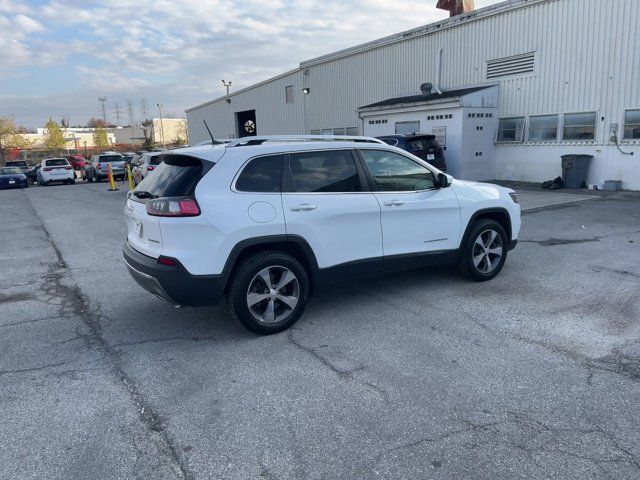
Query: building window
543, 128
316, 132
407, 127
632, 125
327, 131
579, 126
338, 131
352, 131
288, 93
510, 129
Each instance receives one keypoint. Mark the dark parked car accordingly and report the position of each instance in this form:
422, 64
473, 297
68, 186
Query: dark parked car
421, 145
12, 177
32, 173
21, 164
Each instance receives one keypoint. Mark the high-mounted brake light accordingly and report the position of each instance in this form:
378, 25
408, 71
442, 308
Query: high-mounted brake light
173, 207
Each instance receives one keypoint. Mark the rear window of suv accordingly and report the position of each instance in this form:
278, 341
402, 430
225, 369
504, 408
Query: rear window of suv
176, 176
57, 162
17, 164
110, 158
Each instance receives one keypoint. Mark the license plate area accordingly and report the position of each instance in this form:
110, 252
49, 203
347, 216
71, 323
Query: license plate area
431, 156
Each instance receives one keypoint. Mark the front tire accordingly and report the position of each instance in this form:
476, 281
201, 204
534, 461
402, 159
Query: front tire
268, 292
484, 252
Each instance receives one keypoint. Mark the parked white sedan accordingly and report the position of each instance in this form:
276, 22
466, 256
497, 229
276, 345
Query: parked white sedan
56, 170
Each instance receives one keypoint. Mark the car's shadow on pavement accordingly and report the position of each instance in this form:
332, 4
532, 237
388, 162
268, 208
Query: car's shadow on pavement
141, 318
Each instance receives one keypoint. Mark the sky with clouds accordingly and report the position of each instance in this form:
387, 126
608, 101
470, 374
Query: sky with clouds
59, 56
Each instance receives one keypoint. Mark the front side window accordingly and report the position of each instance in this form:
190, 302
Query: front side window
262, 174
324, 171
632, 125
543, 128
511, 129
579, 126
396, 173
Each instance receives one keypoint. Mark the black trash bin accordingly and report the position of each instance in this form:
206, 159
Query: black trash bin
575, 169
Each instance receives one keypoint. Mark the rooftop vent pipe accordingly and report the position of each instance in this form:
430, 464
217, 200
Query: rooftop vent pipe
426, 88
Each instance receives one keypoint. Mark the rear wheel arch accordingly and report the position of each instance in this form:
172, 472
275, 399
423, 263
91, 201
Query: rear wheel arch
292, 245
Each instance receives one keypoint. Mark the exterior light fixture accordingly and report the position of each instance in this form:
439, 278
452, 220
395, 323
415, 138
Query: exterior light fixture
306, 90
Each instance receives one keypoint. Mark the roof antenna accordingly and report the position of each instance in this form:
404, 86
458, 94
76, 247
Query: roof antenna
213, 140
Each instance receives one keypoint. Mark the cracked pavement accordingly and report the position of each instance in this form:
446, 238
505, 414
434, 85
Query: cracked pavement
415, 375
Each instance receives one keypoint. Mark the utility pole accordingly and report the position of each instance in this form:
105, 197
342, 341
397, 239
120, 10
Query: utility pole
130, 109
116, 110
226, 85
103, 100
161, 125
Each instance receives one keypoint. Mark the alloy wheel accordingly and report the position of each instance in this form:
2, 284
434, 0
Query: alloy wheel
273, 294
487, 251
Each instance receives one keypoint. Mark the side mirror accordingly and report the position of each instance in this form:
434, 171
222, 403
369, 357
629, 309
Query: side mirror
443, 180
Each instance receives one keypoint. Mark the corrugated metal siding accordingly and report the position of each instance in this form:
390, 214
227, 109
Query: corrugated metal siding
586, 60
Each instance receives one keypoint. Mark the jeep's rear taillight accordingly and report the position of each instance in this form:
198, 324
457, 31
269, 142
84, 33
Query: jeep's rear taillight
173, 207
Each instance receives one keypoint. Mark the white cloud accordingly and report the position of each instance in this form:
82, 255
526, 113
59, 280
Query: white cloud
27, 24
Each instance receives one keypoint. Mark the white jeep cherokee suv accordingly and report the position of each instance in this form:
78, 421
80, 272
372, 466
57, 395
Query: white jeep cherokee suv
264, 219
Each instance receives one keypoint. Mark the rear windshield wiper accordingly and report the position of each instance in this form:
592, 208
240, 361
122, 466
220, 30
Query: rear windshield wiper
144, 194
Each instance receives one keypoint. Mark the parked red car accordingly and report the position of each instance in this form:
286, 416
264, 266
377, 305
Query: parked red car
77, 161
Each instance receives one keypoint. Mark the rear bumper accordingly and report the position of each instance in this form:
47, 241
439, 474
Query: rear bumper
173, 284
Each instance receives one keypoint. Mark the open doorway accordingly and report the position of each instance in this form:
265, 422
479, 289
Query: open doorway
246, 123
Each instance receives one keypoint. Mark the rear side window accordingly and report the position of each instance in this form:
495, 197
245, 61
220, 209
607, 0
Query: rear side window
57, 162
324, 171
262, 174
177, 176
155, 160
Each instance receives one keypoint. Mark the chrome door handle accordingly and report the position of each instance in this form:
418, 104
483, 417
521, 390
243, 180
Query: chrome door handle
304, 207
394, 203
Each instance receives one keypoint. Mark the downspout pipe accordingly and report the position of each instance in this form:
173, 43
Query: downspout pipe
439, 74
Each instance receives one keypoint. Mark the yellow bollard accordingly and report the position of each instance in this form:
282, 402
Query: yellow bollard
112, 182
130, 177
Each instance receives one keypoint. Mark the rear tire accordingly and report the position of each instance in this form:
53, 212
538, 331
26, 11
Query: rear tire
484, 252
268, 292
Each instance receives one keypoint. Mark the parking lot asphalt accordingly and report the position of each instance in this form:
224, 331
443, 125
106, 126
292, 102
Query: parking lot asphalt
416, 375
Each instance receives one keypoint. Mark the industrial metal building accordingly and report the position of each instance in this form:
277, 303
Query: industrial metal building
513, 87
